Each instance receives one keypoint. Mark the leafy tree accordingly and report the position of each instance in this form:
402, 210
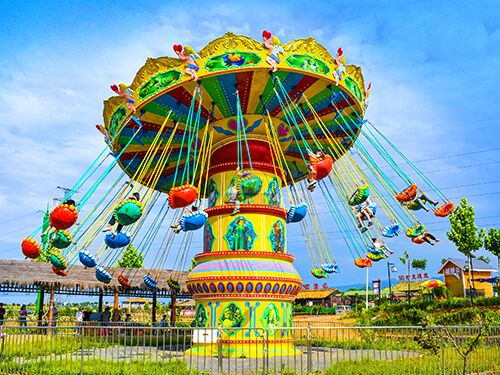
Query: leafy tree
444, 260
419, 264
484, 259
465, 235
131, 258
492, 244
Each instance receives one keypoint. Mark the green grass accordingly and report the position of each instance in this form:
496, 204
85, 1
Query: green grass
95, 367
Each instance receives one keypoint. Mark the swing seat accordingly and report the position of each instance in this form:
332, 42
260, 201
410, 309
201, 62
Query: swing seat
413, 206
63, 216
31, 249
250, 186
116, 242
124, 282
445, 209
182, 196
62, 239
174, 285
323, 167
375, 257
391, 230
418, 240
415, 231
128, 212
362, 262
150, 282
330, 268
360, 195
373, 250
296, 213
58, 261
319, 273
409, 194
62, 273
193, 221
87, 259
102, 275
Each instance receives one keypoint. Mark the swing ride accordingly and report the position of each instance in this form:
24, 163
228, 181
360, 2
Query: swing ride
239, 139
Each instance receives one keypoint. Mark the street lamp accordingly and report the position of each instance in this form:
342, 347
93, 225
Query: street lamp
391, 267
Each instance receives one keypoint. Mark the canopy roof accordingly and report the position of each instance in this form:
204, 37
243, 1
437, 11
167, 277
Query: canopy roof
163, 88
28, 277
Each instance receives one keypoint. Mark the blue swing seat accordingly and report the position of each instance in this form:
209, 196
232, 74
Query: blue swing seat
296, 213
102, 275
116, 242
391, 230
330, 268
193, 221
150, 282
87, 259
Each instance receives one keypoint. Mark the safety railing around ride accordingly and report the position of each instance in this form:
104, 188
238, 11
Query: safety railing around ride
106, 349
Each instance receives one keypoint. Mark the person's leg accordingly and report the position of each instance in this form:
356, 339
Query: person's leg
427, 240
421, 204
431, 237
360, 220
426, 197
386, 248
367, 213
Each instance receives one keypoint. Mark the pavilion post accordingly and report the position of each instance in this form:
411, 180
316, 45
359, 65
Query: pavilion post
41, 306
51, 309
101, 298
115, 307
153, 309
173, 311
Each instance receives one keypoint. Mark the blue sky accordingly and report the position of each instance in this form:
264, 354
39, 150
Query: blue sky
434, 68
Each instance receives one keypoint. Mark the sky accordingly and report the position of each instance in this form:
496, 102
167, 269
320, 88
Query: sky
433, 65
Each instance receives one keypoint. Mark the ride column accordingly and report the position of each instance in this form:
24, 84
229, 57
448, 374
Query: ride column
244, 281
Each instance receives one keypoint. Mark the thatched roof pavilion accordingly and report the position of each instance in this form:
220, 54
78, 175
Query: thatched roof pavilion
32, 277
27, 277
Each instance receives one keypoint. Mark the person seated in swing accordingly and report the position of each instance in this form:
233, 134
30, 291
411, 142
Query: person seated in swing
136, 197
178, 227
419, 202
314, 158
365, 211
428, 237
379, 245
234, 196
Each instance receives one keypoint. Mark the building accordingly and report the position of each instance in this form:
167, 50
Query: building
456, 277
320, 297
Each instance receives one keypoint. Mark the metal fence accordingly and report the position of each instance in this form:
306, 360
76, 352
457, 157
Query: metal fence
83, 349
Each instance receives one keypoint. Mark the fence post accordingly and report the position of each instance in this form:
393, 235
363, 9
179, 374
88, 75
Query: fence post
443, 362
219, 349
266, 351
82, 334
309, 351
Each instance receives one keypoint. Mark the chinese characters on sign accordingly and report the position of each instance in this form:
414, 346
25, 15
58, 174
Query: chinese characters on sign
414, 277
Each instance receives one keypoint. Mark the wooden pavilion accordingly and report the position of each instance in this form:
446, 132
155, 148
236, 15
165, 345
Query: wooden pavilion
33, 277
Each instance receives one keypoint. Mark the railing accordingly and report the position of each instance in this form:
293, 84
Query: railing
298, 350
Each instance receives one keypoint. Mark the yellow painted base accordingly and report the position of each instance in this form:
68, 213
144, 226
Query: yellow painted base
253, 350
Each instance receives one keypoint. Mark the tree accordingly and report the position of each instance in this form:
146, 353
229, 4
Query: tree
405, 259
419, 264
465, 235
484, 259
131, 258
492, 244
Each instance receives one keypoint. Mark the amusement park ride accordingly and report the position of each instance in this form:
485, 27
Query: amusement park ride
237, 140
